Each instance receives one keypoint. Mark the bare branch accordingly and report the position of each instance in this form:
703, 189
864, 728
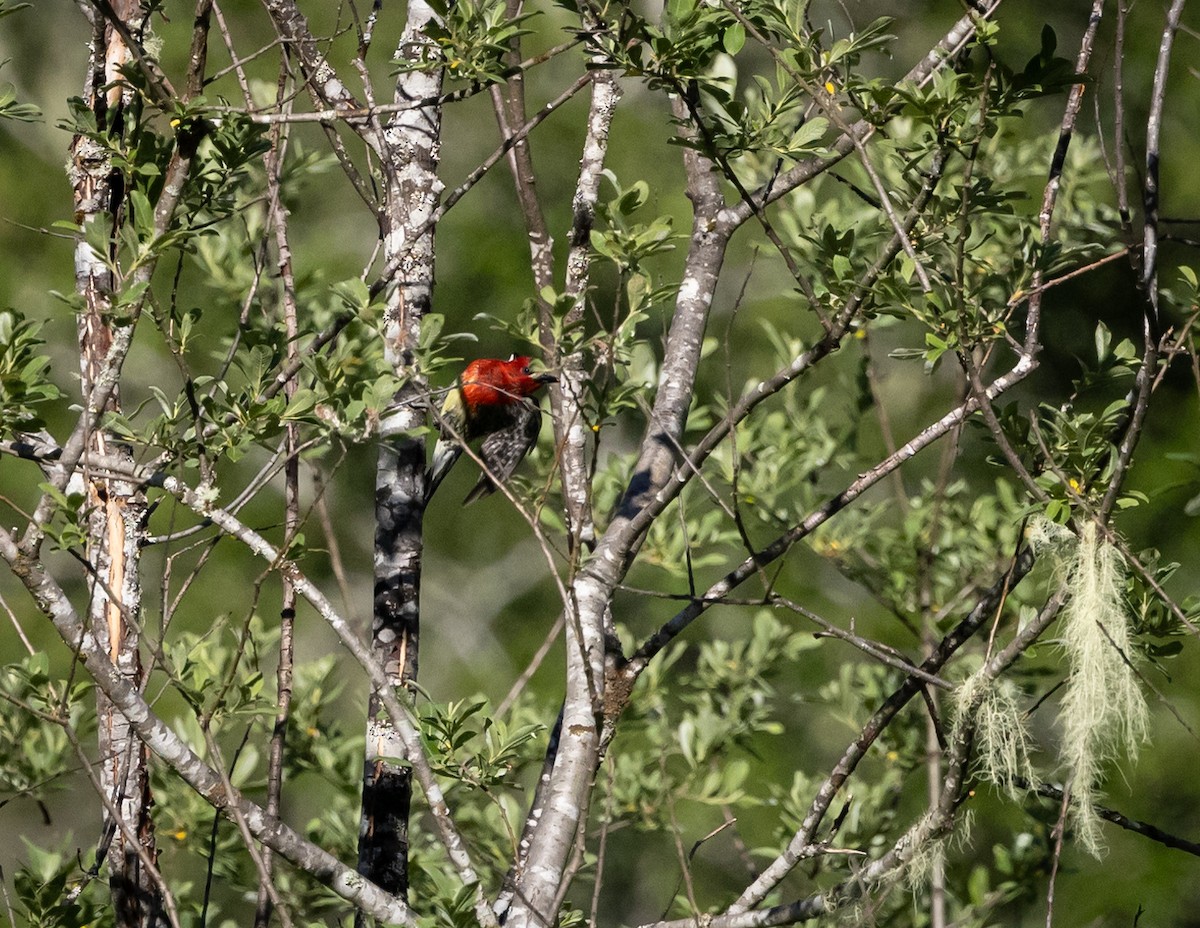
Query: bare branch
802, 844
802, 364
1150, 193
937, 821
1144, 829
931, 433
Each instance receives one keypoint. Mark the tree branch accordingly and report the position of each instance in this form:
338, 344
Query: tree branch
931, 433
163, 741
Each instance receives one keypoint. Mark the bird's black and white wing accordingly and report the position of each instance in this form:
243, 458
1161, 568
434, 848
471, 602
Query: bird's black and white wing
503, 449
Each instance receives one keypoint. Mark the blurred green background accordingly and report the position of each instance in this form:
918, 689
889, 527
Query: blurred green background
487, 599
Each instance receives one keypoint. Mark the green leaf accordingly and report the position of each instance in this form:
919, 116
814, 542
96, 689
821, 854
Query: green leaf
300, 405
1049, 42
807, 134
143, 216
431, 328
1103, 341
977, 885
634, 198
353, 293
1058, 511
733, 38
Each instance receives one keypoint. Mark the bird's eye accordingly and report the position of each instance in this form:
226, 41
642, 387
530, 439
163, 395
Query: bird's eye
528, 370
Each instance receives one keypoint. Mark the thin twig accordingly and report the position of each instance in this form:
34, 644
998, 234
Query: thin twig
1060, 828
1129, 824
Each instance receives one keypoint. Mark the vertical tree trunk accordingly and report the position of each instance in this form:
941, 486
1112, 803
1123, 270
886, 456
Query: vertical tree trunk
118, 510
412, 143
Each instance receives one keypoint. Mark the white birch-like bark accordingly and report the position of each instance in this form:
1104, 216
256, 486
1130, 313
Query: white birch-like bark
588, 689
409, 152
566, 402
586, 705
571, 433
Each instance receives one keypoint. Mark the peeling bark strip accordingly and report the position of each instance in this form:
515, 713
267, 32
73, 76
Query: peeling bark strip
118, 508
116, 524
116, 531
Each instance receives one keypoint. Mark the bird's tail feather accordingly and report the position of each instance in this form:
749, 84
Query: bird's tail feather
444, 455
485, 487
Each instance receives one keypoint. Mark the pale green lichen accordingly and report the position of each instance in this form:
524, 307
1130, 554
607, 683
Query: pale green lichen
1002, 740
1103, 714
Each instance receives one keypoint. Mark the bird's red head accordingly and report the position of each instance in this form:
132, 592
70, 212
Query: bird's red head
490, 381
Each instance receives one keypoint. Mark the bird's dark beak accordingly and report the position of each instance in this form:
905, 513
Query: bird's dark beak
545, 377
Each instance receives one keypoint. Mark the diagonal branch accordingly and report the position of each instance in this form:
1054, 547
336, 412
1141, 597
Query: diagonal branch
681, 359
936, 823
163, 741
839, 326
947, 49
319, 74
986, 610
931, 433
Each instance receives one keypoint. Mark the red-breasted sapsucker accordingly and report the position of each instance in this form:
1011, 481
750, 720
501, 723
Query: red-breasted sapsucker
492, 400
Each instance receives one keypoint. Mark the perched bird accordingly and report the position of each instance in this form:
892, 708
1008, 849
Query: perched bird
493, 401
